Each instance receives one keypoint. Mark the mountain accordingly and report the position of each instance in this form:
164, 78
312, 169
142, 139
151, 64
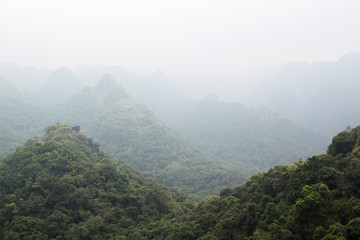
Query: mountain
250, 140
167, 100
18, 117
63, 187
59, 87
127, 130
315, 199
51, 87
27, 78
320, 95
130, 132
163, 97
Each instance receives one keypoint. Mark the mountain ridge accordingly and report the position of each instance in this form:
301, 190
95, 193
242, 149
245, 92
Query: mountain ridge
130, 132
250, 140
62, 186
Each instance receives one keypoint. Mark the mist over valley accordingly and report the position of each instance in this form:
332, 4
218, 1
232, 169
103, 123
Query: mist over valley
185, 120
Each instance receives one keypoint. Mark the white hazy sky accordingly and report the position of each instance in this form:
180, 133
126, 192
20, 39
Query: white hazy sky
213, 37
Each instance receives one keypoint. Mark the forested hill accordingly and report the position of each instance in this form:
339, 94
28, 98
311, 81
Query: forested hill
63, 187
130, 132
125, 129
246, 139
315, 199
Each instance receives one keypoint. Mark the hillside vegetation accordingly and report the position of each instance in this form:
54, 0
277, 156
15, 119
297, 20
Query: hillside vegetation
125, 129
130, 132
63, 187
315, 199
250, 140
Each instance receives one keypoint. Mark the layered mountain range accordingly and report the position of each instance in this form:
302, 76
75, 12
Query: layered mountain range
126, 130
63, 187
196, 147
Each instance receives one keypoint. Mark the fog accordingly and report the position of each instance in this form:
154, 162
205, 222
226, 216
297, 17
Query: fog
286, 55
160, 119
213, 38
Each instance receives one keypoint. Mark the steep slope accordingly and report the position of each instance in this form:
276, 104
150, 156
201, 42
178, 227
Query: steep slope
51, 87
165, 99
315, 199
252, 141
130, 132
63, 187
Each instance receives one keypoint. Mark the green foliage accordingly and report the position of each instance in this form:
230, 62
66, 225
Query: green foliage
63, 187
315, 199
344, 142
130, 132
125, 129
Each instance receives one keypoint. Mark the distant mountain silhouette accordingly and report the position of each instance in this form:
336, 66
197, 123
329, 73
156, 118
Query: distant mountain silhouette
60, 86
321, 95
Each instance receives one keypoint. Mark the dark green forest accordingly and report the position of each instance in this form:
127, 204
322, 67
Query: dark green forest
136, 178
64, 187
315, 199
179, 120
